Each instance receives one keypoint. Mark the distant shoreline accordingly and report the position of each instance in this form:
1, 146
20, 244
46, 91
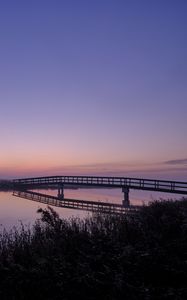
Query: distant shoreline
6, 185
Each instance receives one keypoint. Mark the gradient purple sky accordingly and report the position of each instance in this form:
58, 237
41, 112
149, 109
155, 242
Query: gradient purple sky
93, 87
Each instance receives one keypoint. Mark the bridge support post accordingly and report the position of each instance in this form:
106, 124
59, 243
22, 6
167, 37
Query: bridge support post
126, 201
61, 191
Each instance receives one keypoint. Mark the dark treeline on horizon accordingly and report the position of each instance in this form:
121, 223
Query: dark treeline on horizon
5, 185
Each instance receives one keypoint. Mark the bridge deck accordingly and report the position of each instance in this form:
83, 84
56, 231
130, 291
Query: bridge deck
118, 182
93, 206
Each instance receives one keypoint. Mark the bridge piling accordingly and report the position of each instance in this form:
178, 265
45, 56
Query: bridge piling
126, 201
61, 191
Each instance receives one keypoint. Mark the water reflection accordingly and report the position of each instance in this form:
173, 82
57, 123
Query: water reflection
14, 209
93, 206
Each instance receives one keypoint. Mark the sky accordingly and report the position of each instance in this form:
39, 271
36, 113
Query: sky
93, 87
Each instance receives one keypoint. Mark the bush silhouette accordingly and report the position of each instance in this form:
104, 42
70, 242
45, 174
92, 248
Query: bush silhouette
142, 256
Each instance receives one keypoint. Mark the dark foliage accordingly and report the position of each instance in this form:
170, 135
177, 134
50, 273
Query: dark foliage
6, 185
142, 256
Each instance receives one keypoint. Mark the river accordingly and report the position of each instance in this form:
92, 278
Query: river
14, 210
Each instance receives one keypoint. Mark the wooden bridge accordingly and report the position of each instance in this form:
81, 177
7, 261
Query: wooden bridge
125, 183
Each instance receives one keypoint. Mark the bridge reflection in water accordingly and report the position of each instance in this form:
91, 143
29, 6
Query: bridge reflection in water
94, 206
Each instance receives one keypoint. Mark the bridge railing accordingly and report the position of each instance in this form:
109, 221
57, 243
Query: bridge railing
134, 183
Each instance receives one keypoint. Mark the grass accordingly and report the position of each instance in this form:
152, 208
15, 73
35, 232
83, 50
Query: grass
142, 256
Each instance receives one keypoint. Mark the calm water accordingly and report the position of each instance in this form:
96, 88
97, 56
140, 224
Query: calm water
14, 209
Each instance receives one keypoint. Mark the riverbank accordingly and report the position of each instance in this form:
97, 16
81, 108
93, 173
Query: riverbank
104, 257
6, 185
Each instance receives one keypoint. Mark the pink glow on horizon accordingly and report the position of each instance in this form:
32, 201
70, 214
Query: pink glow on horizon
159, 170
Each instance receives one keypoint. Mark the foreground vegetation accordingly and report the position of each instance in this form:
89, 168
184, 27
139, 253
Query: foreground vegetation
142, 256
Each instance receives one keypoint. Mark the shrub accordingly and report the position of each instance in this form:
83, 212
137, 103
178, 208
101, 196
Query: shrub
142, 256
